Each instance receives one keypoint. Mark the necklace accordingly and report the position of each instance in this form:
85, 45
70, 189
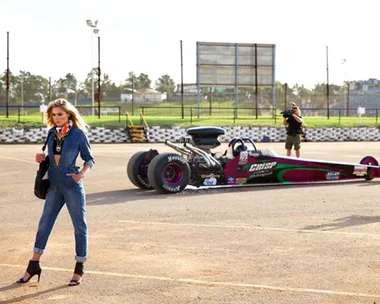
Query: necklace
59, 143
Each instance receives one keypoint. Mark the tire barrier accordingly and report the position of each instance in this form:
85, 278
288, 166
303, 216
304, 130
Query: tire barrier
157, 134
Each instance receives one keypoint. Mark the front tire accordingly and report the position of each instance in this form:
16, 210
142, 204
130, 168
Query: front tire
137, 170
169, 173
369, 160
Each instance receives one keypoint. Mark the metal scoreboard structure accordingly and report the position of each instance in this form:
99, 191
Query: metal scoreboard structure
235, 65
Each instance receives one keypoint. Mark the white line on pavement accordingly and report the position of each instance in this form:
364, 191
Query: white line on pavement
213, 283
19, 160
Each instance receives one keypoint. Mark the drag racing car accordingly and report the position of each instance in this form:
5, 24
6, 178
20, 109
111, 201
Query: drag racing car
241, 164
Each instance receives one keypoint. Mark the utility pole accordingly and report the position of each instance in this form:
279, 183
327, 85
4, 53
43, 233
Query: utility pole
182, 104
327, 89
210, 103
133, 95
22, 94
95, 30
286, 96
8, 79
99, 73
348, 100
49, 89
256, 87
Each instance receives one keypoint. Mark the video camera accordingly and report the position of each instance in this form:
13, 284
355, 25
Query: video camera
287, 113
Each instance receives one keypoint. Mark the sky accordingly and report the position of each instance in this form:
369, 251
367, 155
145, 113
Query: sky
51, 38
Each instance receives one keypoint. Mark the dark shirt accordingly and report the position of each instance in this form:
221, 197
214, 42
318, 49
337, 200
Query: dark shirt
57, 145
293, 127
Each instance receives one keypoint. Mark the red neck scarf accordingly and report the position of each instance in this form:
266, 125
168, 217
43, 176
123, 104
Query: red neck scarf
65, 129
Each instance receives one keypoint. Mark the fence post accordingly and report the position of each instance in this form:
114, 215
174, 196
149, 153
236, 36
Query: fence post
235, 114
191, 115
119, 114
339, 117
376, 115
19, 113
275, 115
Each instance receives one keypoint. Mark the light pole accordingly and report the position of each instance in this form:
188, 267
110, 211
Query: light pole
348, 88
95, 30
22, 94
99, 73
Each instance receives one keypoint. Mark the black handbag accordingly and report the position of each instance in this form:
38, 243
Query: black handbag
41, 186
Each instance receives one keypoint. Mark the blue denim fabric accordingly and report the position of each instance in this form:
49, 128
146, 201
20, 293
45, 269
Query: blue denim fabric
63, 189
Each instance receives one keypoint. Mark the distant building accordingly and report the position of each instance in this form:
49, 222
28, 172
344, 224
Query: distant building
149, 95
143, 96
127, 96
371, 85
189, 89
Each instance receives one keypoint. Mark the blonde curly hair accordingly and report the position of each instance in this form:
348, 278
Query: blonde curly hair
69, 108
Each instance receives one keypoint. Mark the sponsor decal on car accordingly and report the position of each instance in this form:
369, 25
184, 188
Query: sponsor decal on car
259, 174
241, 180
243, 159
332, 175
253, 154
184, 139
262, 167
209, 175
360, 170
231, 180
210, 181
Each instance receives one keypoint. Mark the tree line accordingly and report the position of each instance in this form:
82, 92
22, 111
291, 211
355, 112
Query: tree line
29, 88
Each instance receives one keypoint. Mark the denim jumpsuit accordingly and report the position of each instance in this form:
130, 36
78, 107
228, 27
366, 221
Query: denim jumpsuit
63, 189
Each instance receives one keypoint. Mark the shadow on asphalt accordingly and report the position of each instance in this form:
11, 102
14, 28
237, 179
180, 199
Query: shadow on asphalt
28, 296
130, 195
9, 287
348, 221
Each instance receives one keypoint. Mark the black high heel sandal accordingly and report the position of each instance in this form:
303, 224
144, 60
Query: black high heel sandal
79, 271
33, 269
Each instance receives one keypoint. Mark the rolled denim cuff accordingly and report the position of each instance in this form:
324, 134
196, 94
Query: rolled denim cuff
80, 259
38, 250
91, 163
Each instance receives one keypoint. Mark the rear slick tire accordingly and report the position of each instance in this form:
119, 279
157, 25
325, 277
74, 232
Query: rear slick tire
169, 173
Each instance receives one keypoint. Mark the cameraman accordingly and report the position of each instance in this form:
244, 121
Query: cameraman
293, 125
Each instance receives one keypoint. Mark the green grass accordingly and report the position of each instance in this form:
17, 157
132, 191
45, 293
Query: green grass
113, 121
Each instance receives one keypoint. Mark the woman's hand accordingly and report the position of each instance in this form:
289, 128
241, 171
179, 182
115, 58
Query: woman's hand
76, 177
40, 157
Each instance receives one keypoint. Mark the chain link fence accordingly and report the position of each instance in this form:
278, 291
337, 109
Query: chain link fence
215, 102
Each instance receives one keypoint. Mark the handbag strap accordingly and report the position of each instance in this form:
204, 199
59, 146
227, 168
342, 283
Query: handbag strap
46, 140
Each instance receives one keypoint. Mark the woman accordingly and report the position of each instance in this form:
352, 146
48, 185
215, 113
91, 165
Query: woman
68, 139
